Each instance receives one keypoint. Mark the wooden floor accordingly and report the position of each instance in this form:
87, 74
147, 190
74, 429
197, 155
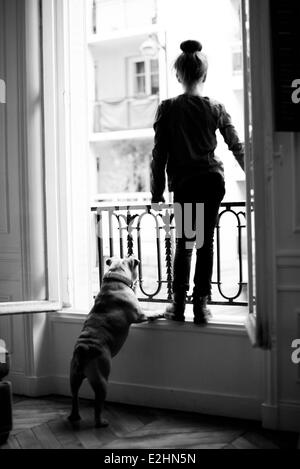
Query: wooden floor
42, 423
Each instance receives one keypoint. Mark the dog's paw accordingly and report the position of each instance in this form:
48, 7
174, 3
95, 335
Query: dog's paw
73, 418
102, 423
156, 317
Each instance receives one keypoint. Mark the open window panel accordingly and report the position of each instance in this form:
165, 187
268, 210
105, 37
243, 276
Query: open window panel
251, 317
29, 251
257, 321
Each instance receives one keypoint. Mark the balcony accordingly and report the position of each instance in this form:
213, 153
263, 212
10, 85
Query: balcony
111, 16
125, 114
150, 235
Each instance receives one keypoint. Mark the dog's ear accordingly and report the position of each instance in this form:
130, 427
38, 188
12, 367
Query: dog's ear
108, 262
135, 262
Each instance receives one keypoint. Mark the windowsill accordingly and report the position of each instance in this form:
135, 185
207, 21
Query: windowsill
219, 323
28, 307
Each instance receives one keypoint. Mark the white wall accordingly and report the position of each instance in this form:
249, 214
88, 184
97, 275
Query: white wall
164, 365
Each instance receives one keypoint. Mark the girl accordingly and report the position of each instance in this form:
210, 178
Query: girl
185, 142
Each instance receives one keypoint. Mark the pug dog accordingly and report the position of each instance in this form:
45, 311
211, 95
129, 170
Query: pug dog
104, 333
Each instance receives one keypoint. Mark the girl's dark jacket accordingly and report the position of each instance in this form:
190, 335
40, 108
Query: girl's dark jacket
185, 141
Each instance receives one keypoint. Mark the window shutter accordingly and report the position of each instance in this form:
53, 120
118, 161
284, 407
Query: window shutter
285, 15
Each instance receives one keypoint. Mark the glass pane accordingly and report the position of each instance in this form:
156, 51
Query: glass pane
154, 84
140, 68
140, 85
154, 66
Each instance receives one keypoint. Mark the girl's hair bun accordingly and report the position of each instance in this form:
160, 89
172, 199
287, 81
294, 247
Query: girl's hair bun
191, 47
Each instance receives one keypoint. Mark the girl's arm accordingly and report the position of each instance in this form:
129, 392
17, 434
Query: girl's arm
231, 137
159, 156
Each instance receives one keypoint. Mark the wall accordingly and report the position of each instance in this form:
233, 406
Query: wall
112, 60
173, 366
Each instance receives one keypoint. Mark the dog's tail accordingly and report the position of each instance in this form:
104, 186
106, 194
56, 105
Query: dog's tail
81, 352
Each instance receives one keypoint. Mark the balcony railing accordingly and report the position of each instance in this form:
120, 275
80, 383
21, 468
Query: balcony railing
125, 114
150, 235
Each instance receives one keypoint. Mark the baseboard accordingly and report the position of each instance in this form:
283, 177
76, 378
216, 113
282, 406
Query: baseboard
289, 416
285, 416
227, 405
31, 386
270, 416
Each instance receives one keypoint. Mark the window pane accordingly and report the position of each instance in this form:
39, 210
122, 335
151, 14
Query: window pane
154, 84
154, 66
140, 68
140, 85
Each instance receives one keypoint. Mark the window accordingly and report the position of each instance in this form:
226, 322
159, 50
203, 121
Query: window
154, 76
94, 157
70, 186
122, 153
144, 76
139, 78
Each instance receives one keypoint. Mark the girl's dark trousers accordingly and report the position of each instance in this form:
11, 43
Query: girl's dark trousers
208, 189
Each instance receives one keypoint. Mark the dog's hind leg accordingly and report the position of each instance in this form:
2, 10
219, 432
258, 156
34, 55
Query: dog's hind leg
76, 378
100, 391
97, 374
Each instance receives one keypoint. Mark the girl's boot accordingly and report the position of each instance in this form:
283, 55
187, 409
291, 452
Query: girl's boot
201, 312
175, 311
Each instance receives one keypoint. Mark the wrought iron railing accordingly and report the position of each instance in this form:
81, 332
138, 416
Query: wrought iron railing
120, 231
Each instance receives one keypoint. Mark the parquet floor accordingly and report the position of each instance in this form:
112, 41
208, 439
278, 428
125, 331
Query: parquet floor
42, 423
